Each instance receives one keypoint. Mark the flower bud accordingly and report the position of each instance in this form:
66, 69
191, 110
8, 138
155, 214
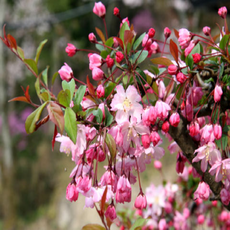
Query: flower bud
100, 91
167, 32
181, 77
155, 138
217, 93
151, 33
97, 74
92, 38
99, 9
111, 212
223, 12
145, 141
157, 165
196, 57
70, 50
165, 126
172, 69
217, 130
116, 11
66, 73
109, 61
174, 119
119, 56
207, 30
140, 202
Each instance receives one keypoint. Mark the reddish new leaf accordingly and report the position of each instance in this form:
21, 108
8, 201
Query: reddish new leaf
176, 33
128, 36
100, 34
26, 92
162, 61
21, 98
54, 136
90, 87
56, 115
103, 199
174, 50
120, 42
12, 41
5, 37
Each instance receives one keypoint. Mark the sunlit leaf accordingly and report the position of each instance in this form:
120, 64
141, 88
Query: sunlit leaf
138, 41
140, 222
108, 117
224, 41
45, 75
20, 52
110, 142
71, 124
54, 77
39, 50
139, 57
70, 86
31, 64
32, 119
64, 97
98, 114
93, 227
161, 61
79, 94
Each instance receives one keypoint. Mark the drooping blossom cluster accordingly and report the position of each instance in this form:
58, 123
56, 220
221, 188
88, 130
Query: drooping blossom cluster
120, 122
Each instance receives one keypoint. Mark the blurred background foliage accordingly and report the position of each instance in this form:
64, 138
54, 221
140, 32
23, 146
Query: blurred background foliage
33, 178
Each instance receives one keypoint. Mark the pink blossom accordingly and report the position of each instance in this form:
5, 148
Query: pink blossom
140, 202
109, 61
162, 224
84, 185
161, 89
154, 47
207, 134
151, 33
125, 20
99, 9
217, 130
145, 140
217, 93
162, 109
167, 32
202, 191
71, 192
70, 50
174, 119
223, 12
196, 57
172, 69
165, 126
97, 74
200, 219
181, 77
111, 212
207, 30
149, 116
109, 178
116, 11
186, 213
119, 56
92, 37
180, 222
189, 48
225, 196
184, 38
100, 91
66, 73
123, 193
173, 147
155, 138
195, 94
194, 129
146, 42
95, 60
157, 165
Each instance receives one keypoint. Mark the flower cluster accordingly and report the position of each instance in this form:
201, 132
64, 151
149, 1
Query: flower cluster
119, 123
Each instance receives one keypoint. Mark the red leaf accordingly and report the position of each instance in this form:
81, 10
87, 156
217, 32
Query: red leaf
161, 61
21, 98
100, 34
5, 38
120, 42
103, 199
176, 33
54, 136
128, 36
174, 50
12, 41
26, 92
90, 87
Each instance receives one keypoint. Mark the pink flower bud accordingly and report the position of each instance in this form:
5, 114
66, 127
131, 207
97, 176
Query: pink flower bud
70, 50
151, 33
155, 138
163, 225
101, 155
196, 57
214, 203
111, 212
165, 126
217, 93
100, 91
140, 202
172, 69
71, 192
189, 48
109, 61
95, 60
217, 130
99, 9
200, 219
224, 196
207, 30
223, 12
194, 129
97, 74
157, 165
92, 38
66, 73
115, 43
116, 11
119, 56
125, 20
186, 213
174, 119
181, 77
184, 38
167, 32
145, 141
202, 192
123, 193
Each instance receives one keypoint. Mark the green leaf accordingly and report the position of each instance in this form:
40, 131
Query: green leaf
32, 66
56, 115
124, 27
70, 86
224, 140
108, 117
37, 86
45, 96
98, 114
64, 97
39, 50
139, 57
221, 70
138, 41
109, 88
71, 124
140, 222
79, 95
32, 119
196, 49
100, 47
54, 77
93, 227
20, 52
224, 41
45, 75
189, 61
161, 61
110, 142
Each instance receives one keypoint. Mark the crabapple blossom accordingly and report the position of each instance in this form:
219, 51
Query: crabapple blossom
71, 192
66, 73
225, 196
95, 60
99, 9
97, 74
217, 130
189, 48
172, 69
174, 119
202, 192
70, 50
162, 109
145, 140
111, 212
165, 126
140, 202
157, 165
167, 32
223, 12
184, 38
109, 61
181, 77
151, 33
155, 138
123, 193
206, 30
100, 91
196, 57
125, 20
119, 56
116, 11
217, 93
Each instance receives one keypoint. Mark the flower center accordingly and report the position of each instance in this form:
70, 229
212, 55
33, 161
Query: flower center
127, 104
